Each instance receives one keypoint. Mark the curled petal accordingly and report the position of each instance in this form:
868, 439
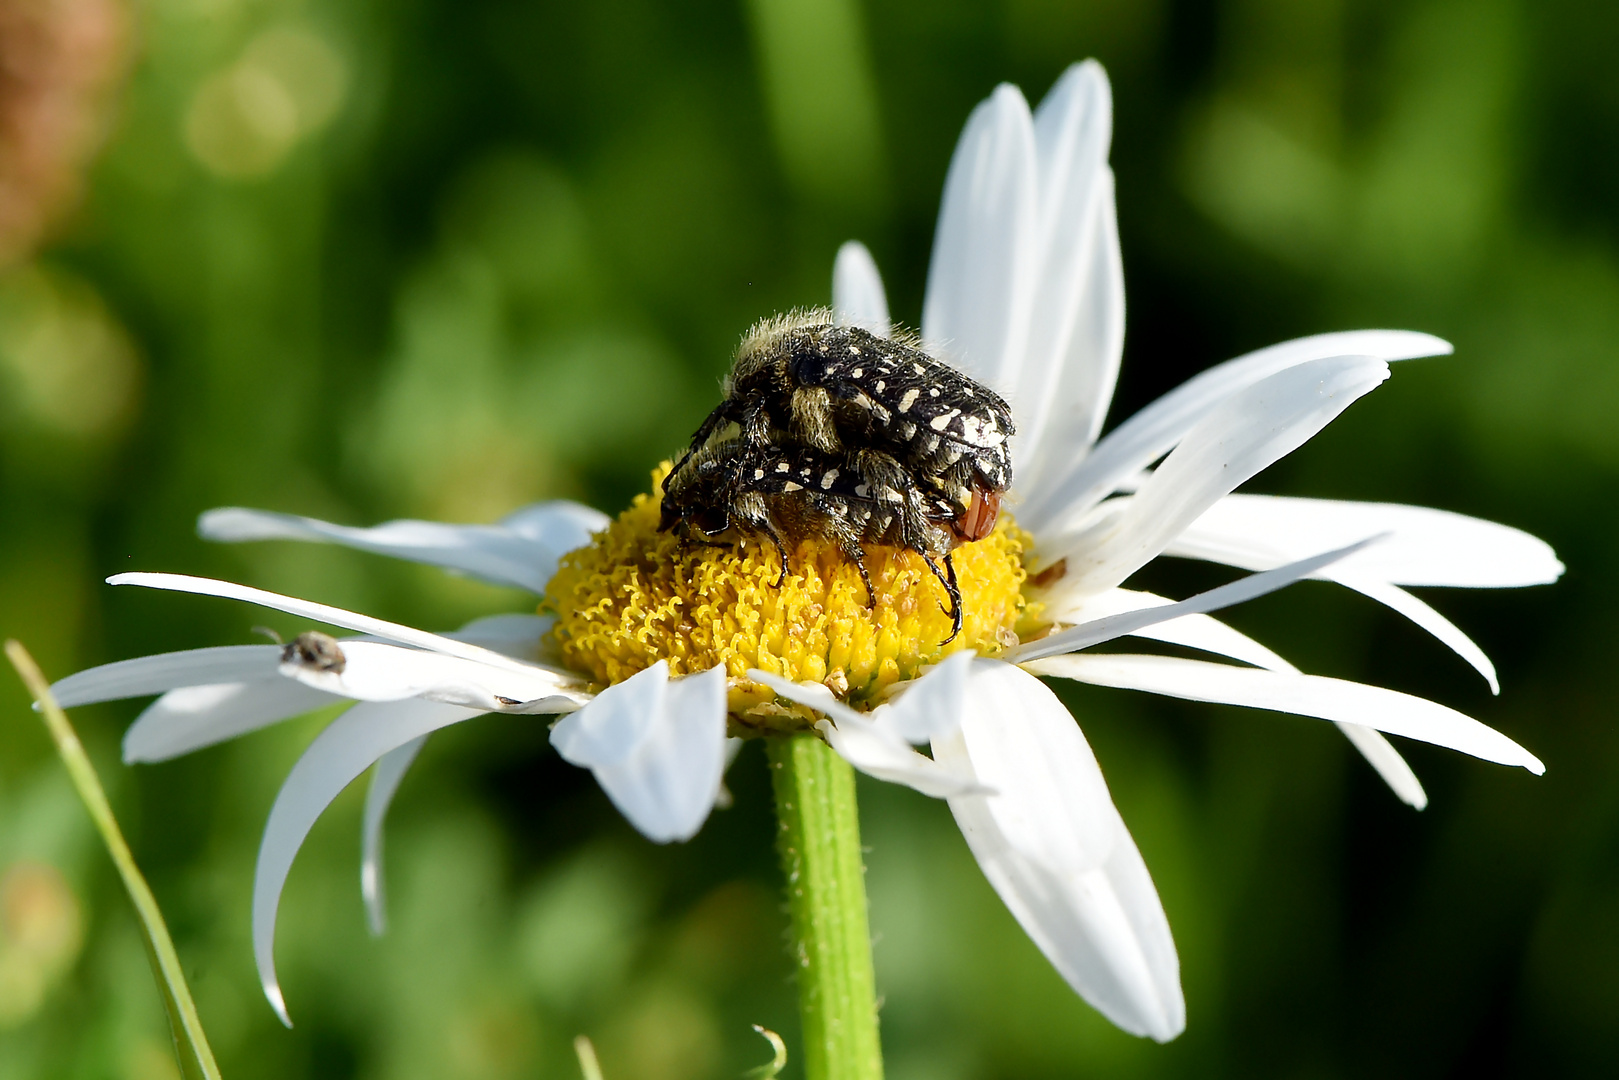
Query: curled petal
342, 752
882, 754
191, 717
558, 525
1055, 849
1200, 632
374, 671
514, 635
876, 748
1424, 547
1448, 633
165, 671
333, 616
1249, 431
1158, 428
1210, 635
1087, 634
197, 713
1302, 695
656, 745
1388, 763
385, 780
858, 298
930, 706
521, 551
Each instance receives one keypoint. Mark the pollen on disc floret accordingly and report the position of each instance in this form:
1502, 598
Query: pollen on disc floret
635, 596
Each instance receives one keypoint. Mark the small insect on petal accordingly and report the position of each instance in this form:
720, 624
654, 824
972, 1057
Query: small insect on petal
316, 651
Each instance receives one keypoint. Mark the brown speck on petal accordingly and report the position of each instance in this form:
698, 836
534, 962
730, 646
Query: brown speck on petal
1050, 575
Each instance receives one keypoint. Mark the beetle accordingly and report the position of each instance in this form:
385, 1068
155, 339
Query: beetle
800, 379
792, 493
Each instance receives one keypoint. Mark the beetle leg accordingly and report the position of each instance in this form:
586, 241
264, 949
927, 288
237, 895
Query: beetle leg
781, 550
947, 578
711, 422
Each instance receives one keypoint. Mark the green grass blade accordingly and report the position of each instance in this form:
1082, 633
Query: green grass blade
589, 1067
778, 1059
190, 1044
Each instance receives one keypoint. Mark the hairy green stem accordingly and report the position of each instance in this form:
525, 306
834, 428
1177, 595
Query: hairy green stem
819, 838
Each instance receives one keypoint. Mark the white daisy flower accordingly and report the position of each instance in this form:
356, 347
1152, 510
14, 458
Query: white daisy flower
657, 656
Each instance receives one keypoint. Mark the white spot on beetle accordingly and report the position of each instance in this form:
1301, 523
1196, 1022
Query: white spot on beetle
909, 399
857, 372
827, 478
782, 466
790, 486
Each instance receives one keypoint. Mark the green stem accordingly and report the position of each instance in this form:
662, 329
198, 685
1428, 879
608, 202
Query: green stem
819, 838
190, 1044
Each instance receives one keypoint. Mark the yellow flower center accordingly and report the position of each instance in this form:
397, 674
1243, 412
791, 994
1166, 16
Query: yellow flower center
635, 596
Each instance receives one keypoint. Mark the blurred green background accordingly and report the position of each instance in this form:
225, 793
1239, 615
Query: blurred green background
365, 260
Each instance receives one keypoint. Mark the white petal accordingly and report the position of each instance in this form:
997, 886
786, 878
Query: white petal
322, 613
1066, 403
385, 779
1448, 633
1425, 546
1158, 428
1302, 695
339, 754
164, 671
929, 706
520, 637
874, 748
980, 279
1055, 849
1211, 635
1097, 631
191, 717
1076, 328
558, 525
1192, 631
858, 298
198, 714
373, 671
1249, 431
521, 551
1381, 756
656, 746
885, 756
